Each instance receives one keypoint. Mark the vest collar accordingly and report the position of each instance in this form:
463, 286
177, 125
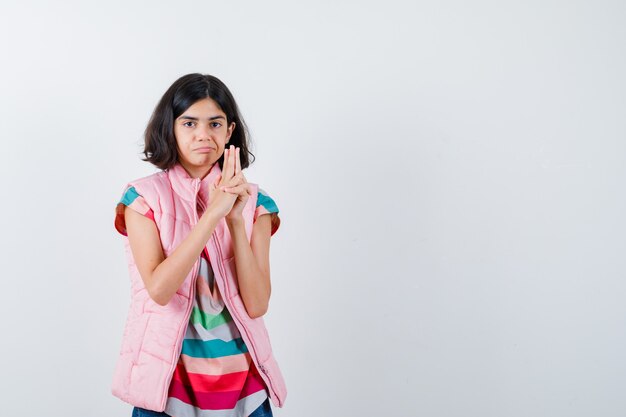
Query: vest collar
188, 187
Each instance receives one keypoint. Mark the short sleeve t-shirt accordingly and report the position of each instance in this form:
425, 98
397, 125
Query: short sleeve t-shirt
264, 205
215, 375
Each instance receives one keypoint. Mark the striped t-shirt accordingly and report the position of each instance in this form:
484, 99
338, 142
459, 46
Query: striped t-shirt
215, 375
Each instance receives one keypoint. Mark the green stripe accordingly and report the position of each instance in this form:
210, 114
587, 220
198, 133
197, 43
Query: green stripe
209, 321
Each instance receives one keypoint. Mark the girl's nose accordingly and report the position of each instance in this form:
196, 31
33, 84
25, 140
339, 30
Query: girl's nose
204, 133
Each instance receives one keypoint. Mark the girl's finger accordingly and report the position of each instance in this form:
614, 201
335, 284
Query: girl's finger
233, 182
238, 161
241, 189
225, 156
227, 164
237, 179
240, 178
231, 156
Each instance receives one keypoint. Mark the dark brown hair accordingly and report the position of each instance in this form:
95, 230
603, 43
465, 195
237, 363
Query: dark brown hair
160, 143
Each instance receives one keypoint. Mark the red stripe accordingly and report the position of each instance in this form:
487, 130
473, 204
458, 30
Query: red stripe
203, 400
253, 383
216, 400
209, 383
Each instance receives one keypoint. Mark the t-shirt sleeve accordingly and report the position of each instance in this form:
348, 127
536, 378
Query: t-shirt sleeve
266, 205
132, 199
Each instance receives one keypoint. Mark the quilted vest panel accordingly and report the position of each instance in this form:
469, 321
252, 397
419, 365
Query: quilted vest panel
153, 334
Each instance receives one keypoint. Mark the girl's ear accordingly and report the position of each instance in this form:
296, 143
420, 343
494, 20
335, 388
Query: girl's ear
231, 128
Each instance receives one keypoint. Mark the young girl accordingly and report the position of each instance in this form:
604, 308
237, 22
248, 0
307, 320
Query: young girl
197, 238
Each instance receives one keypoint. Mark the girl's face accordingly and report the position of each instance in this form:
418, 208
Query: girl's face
201, 136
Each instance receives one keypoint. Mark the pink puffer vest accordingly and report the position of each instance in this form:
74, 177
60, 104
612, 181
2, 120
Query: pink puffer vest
153, 334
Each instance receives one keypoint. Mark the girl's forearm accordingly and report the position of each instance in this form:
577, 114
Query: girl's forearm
254, 284
171, 273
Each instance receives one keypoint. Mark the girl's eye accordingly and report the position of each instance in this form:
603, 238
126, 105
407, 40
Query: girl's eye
187, 124
216, 124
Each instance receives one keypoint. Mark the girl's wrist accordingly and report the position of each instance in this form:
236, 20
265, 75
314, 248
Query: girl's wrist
235, 221
210, 213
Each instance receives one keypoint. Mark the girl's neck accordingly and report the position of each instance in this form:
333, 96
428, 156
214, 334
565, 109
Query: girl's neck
197, 172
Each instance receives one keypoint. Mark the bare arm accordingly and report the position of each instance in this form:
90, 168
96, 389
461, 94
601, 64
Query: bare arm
252, 263
163, 276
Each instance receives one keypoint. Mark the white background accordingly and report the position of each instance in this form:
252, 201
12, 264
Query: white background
450, 176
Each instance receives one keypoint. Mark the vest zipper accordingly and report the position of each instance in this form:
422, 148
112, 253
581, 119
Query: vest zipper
239, 322
183, 327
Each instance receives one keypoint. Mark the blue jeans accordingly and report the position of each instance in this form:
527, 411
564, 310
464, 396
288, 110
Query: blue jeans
264, 410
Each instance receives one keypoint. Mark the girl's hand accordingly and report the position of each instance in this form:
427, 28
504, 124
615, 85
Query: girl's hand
239, 187
220, 201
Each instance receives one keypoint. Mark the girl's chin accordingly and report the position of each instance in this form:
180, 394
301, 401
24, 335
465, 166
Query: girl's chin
203, 162
200, 163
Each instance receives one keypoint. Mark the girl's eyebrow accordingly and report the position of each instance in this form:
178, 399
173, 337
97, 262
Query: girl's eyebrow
185, 117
